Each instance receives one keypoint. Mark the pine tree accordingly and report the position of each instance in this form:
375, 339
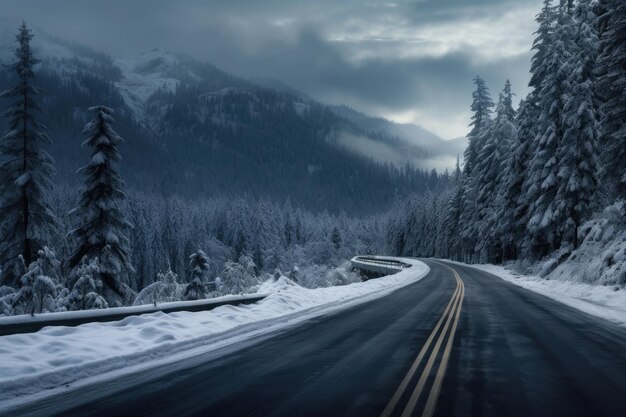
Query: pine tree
453, 214
513, 210
542, 181
26, 222
611, 71
37, 291
102, 227
578, 153
542, 43
199, 265
87, 289
481, 120
335, 238
529, 131
488, 173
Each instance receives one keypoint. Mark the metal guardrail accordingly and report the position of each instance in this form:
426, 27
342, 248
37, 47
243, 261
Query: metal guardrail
381, 261
373, 266
14, 324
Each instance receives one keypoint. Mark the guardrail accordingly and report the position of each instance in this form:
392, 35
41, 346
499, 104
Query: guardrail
29, 324
377, 266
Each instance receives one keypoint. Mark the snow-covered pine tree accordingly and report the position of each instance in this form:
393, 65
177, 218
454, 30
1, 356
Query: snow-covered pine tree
431, 224
453, 213
37, 291
26, 221
488, 174
141, 246
87, 287
578, 153
611, 71
335, 238
512, 212
508, 112
481, 120
542, 181
102, 226
441, 240
49, 263
546, 20
528, 131
199, 266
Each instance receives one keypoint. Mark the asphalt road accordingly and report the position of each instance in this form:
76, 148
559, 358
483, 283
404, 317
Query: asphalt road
445, 346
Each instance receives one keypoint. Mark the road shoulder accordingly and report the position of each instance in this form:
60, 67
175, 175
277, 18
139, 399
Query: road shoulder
597, 300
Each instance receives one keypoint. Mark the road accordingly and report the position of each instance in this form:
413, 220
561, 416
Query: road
457, 343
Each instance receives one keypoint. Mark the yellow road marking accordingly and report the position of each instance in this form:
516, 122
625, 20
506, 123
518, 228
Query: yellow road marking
407, 378
450, 314
431, 360
429, 409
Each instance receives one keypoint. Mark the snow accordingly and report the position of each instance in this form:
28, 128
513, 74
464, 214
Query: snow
57, 358
601, 257
222, 92
42, 45
143, 75
301, 108
608, 302
138, 309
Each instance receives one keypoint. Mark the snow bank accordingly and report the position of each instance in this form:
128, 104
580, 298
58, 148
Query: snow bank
39, 364
601, 301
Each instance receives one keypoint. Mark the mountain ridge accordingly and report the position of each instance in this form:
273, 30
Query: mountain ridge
196, 129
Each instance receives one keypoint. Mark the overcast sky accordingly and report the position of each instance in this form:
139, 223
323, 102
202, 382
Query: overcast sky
409, 61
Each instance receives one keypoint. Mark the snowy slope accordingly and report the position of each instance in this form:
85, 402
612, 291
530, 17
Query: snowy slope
601, 257
143, 75
37, 364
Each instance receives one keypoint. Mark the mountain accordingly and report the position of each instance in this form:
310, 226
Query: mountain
192, 129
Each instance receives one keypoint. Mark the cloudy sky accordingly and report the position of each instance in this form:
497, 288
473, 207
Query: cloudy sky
409, 61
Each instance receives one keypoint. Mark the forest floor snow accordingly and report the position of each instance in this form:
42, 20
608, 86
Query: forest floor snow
36, 365
608, 302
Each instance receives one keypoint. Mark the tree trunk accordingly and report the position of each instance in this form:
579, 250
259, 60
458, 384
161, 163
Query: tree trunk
25, 213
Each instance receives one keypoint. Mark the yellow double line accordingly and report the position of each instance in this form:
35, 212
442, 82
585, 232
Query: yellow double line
451, 316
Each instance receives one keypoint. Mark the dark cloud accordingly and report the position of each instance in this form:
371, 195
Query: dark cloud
387, 57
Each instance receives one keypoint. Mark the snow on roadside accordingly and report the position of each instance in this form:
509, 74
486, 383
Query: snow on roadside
34, 364
598, 300
94, 314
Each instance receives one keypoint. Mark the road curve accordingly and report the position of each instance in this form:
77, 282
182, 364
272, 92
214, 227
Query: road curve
460, 342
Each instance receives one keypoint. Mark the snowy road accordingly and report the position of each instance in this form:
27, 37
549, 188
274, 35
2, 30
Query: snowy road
514, 353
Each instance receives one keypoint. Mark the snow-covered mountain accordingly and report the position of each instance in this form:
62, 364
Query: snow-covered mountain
144, 75
192, 128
